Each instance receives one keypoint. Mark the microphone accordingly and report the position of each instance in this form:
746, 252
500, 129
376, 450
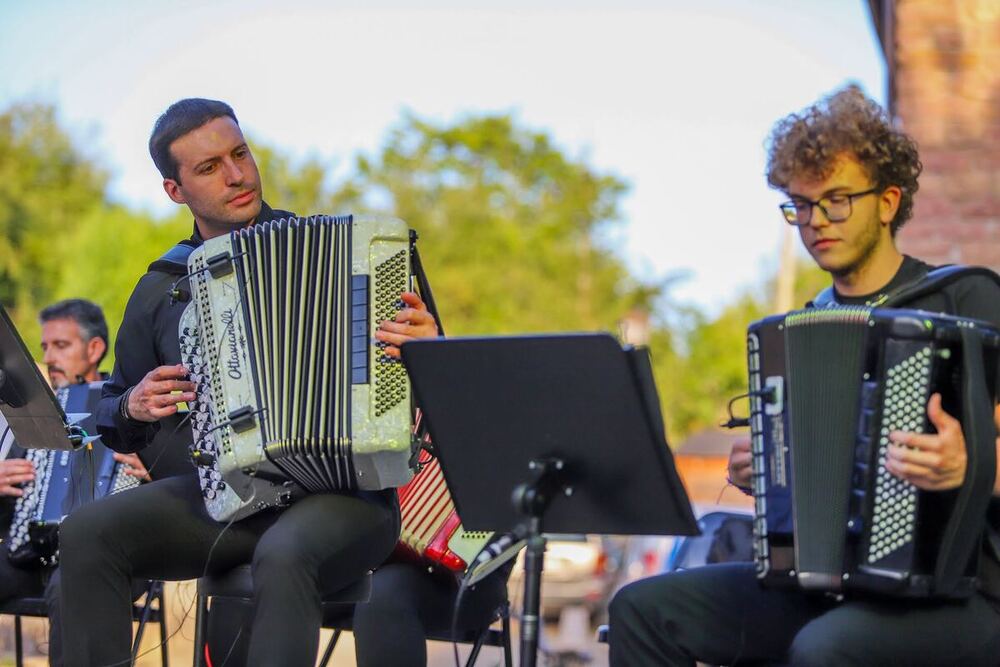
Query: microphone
178, 295
501, 545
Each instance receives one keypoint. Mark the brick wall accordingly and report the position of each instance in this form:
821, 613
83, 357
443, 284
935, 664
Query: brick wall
946, 92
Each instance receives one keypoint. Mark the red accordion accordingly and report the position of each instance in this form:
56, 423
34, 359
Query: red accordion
431, 529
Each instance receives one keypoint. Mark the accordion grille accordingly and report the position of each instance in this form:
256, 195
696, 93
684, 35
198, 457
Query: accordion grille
390, 378
894, 512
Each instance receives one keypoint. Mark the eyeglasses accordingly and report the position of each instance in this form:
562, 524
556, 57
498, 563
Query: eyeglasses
836, 208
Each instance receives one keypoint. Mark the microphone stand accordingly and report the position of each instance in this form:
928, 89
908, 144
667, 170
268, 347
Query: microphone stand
531, 499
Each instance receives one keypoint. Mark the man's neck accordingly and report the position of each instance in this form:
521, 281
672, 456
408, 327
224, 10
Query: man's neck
207, 231
873, 275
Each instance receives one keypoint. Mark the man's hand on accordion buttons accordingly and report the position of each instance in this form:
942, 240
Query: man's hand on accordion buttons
740, 468
133, 466
153, 398
412, 322
930, 461
13, 473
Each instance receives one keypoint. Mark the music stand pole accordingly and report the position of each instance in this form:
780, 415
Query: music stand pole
531, 500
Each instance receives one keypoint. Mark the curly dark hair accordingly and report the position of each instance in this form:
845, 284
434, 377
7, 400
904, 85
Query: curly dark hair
809, 143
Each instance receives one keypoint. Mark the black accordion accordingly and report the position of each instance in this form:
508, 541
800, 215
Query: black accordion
827, 387
64, 480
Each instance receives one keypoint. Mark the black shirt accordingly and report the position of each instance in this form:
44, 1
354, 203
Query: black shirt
976, 297
147, 339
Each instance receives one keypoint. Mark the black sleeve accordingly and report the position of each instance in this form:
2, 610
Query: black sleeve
135, 355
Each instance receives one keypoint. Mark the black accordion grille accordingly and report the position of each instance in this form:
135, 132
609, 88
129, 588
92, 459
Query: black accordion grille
894, 511
390, 376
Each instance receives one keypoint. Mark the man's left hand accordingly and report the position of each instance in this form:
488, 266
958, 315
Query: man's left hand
930, 461
133, 466
412, 322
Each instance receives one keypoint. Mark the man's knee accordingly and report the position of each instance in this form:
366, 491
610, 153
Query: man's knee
818, 645
85, 536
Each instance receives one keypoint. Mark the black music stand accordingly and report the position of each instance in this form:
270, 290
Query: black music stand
27, 402
568, 427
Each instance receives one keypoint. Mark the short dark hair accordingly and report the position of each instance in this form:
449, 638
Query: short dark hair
87, 315
808, 144
180, 118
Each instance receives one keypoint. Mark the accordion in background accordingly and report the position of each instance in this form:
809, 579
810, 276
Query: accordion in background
292, 393
64, 480
431, 530
827, 386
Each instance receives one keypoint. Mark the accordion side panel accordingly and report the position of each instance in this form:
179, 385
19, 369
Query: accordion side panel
381, 409
232, 376
770, 444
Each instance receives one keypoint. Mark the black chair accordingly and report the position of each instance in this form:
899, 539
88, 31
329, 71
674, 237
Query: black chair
337, 609
487, 636
238, 584
143, 613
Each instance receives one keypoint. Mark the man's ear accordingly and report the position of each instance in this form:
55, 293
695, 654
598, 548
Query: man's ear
173, 190
96, 347
888, 203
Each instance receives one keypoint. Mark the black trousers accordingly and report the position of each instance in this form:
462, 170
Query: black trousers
720, 614
161, 530
408, 603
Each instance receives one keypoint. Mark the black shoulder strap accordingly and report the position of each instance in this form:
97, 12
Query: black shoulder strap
174, 261
927, 282
935, 281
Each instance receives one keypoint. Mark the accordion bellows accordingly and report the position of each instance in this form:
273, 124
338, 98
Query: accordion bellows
293, 394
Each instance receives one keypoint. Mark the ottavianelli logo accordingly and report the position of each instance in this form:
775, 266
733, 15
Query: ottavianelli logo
233, 364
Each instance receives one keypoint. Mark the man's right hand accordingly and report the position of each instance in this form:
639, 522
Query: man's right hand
740, 464
152, 400
14, 472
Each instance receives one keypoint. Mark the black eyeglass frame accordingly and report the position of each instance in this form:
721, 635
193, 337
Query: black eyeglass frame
789, 209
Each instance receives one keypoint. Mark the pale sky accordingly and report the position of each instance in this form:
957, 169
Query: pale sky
676, 98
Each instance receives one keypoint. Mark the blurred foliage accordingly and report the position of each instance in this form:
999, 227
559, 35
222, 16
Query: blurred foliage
509, 226
47, 185
513, 234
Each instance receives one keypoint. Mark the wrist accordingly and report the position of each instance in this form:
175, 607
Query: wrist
123, 409
745, 490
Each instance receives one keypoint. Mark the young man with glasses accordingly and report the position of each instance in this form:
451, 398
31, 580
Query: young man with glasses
850, 178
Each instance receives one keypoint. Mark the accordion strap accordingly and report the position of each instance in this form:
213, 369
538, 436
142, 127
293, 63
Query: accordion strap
421, 434
174, 261
964, 530
927, 283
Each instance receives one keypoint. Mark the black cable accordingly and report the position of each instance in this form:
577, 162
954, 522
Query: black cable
462, 587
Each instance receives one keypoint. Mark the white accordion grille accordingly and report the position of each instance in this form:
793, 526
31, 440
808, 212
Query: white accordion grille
894, 512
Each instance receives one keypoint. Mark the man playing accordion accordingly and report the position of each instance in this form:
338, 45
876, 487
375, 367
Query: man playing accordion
850, 178
163, 531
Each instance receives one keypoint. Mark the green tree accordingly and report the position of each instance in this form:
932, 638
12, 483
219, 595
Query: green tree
47, 184
105, 271
510, 227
